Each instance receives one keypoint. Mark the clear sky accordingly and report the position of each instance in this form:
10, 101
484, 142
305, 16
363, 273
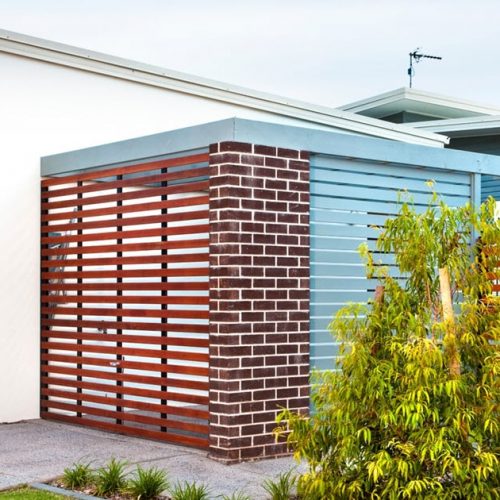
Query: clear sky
326, 51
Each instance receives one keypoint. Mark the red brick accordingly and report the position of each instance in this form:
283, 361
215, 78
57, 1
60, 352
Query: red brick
252, 384
252, 182
276, 272
264, 327
299, 165
241, 147
224, 158
288, 153
276, 185
275, 162
288, 195
252, 294
234, 168
264, 194
252, 160
252, 204
264, 150
265, 172
252, 316
276, 206
265, 216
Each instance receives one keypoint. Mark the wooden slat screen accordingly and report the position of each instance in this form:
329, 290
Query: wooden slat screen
124, 299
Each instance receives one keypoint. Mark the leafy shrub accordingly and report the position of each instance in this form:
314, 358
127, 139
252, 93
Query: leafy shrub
112, 478
282, 488
148, 483
79, 475
189, 491
412, 411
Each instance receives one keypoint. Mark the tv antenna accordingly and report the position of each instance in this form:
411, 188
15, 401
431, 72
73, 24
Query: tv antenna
416, 56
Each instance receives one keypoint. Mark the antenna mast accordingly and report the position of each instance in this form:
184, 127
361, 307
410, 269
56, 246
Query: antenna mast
416, 56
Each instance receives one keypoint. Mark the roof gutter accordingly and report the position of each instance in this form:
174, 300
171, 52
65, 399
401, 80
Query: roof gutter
103, 64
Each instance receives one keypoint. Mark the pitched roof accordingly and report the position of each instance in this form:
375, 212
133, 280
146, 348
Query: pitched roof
104, 64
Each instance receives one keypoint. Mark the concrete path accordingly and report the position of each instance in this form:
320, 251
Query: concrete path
39, 450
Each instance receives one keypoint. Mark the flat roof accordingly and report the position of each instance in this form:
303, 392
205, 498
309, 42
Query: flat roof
116, 67
270, 134
420, 102
463, 127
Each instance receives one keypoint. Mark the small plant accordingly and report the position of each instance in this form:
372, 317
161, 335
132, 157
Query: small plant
189, 491
237, 495
77, 476
148, 483
283, 487
111, 478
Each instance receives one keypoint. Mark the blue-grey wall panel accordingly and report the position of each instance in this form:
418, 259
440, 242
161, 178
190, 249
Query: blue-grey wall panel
490, 186
349, 199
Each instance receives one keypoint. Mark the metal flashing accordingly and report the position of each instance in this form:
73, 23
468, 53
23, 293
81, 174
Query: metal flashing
104, 64
269, 134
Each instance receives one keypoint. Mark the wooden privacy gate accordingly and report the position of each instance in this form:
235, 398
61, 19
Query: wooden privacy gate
124, 301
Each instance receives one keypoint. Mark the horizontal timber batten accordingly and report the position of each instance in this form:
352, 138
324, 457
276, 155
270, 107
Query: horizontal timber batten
114, 261
123, 222
132, 417
153, 286
126, 313
134, 182
130, 169
139, 379
127, 351
198, 371
124, 299
130, 195
128, 273
125, 325
132, 431
133, 339
183, 411
133, 239
125, 390
125, 235
194, 200
127, 247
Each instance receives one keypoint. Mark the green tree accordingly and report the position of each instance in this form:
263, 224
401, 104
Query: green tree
412, 411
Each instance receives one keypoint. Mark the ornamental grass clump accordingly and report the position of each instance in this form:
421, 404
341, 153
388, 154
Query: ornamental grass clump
413, 409
112, 478
148, 483
79, 475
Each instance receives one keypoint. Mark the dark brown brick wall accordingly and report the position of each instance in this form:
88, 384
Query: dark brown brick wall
259, 295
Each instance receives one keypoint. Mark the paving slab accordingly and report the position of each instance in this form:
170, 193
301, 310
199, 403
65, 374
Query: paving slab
39, 450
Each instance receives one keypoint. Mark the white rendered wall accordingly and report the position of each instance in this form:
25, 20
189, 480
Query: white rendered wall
47, 109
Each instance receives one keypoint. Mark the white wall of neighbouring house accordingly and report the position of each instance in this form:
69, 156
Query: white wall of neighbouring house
47, 109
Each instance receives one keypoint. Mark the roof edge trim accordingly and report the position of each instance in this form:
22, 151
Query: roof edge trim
108, 65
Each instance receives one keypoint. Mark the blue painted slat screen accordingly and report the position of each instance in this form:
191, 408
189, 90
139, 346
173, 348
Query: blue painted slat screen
348, 198
490, 186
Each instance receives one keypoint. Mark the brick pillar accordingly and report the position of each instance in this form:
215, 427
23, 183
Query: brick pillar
259, 295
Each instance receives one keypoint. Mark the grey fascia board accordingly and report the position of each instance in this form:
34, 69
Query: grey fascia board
269, 134
364, 148
105, 64
141, 148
